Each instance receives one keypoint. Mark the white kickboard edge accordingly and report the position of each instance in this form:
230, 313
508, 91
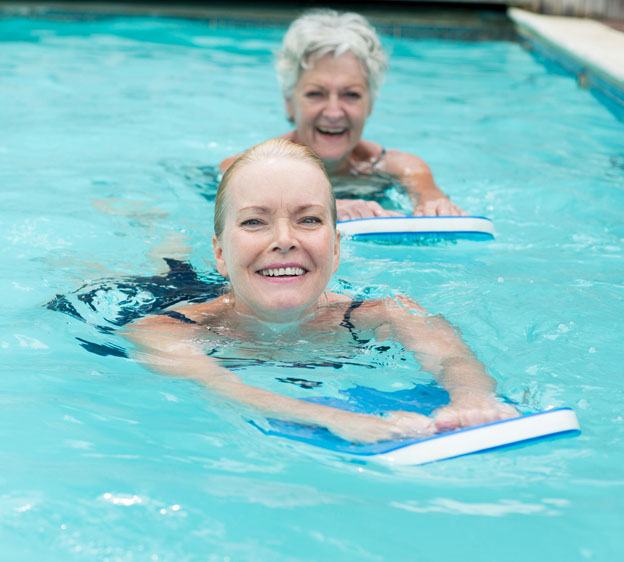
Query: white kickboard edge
387, 225
481, 438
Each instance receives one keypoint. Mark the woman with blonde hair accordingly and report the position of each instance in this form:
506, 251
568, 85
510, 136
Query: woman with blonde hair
276, 243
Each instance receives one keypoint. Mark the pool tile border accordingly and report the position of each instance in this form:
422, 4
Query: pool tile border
453, 27
588, 49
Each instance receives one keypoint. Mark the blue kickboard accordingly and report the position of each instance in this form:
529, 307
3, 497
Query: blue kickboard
425, 399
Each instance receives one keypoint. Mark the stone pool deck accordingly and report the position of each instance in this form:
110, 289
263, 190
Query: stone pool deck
592, 46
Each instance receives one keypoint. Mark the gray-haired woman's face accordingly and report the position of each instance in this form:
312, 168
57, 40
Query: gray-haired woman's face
330, 105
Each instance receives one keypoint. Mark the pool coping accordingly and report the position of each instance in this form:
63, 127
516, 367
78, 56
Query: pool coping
591, 50
422, 23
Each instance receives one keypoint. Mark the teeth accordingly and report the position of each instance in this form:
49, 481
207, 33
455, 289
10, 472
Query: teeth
331, 131
282, 271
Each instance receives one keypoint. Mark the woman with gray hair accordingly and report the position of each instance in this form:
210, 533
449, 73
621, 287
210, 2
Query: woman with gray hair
330, 68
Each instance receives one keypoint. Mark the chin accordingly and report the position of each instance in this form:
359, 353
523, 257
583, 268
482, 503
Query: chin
331, 153
331, 149
289, 307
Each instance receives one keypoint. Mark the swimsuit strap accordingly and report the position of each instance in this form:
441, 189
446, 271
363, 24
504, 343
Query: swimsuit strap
177, 316
379, 158
346, 321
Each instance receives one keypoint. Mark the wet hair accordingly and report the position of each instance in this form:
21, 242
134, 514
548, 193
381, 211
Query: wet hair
273, 148
320, 32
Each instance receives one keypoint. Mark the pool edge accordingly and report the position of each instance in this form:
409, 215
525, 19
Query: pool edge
579, 45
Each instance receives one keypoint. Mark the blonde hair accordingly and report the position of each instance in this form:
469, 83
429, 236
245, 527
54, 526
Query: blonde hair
273, 148
320, 32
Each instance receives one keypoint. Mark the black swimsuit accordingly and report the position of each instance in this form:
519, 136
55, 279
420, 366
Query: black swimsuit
108, 304
379, 159
136, 297
346, 320
235, 363
366, 185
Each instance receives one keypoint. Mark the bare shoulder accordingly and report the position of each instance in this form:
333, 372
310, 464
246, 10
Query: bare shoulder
375, 312
333, 308
187, 315
290, 135
225, 164
403, 163
403, 304
336, 298
207, 312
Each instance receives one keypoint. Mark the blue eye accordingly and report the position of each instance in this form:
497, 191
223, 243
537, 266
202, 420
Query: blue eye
353, 95
251, 222
311, 220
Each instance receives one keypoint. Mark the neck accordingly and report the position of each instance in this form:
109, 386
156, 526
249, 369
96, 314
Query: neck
333, 167
337, 167
278, 321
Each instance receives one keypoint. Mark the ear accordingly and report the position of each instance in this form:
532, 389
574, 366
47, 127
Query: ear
337, 251
290, 111
218, 255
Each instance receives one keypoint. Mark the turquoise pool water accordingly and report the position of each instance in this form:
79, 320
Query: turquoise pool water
105, 125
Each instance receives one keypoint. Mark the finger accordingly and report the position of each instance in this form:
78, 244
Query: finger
447, 419
428, 209
379, 211
477, 416
411, 424
507, 411
375, 208
358, 212
424, 425
451, 210
445, 207
442, 209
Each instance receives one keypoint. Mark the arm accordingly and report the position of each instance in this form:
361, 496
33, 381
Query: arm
414, 174
349, 209
442, 352
168, 346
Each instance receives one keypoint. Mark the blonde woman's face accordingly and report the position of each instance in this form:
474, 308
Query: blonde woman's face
279, 246
330, 105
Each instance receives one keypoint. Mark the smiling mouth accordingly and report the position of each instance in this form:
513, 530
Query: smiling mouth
282, 272
336, 131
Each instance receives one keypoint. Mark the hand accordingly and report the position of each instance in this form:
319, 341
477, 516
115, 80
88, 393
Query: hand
472, 411
441, 206
365, 428
349, 209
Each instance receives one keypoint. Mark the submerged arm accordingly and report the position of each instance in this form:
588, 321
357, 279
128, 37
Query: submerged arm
442, 352
170, 347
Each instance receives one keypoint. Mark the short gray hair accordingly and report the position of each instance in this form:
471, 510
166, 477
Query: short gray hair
319, 32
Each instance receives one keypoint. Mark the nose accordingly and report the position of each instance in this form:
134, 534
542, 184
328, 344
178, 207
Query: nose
333, 109
284, 238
